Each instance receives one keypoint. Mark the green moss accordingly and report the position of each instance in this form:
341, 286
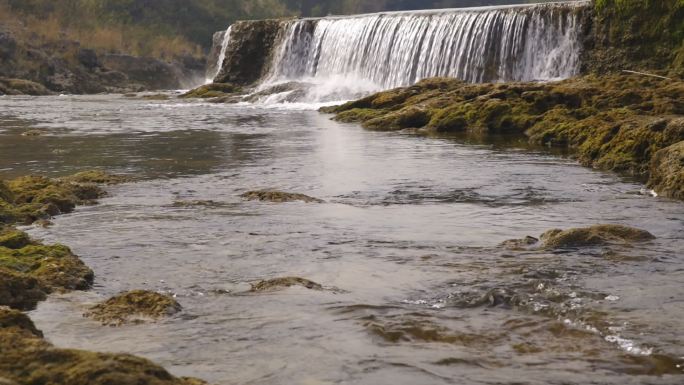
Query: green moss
13, 239
358, 115
637, 35
594, 236
667, 171
26, 358
134, 306
212, 90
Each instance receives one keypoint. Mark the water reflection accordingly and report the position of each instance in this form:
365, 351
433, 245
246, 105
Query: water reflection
409, 232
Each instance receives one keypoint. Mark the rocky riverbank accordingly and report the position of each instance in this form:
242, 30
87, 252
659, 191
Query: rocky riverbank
30, 270
35, 67
627, 123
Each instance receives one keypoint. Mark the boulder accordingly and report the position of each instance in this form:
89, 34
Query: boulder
134, 307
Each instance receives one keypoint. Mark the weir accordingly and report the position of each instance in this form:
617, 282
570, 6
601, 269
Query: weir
385, 50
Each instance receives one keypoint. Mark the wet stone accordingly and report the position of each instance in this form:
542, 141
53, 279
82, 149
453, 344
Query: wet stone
284, 283
279, 197
594, 236
136, 306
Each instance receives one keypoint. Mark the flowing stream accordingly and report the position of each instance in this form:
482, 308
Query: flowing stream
406, 241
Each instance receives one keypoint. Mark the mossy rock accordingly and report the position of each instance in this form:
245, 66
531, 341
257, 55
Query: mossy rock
278, 197
667, 171
20, 291
30, 198
284, 283
134, 307
213, 90
12, 238
26, 358
54, 266
10, 318
594, 236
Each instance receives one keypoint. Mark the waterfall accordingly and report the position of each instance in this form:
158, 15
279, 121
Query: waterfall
222, 54
386, 50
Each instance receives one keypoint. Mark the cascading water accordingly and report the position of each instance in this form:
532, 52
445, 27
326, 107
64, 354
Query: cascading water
222, 53
344, 57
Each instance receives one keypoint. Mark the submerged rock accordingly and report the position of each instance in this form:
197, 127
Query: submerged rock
33, 133
26, 358
134, 307
31, 198
283, 283
519, 244
279, 197
594, 236
667, 171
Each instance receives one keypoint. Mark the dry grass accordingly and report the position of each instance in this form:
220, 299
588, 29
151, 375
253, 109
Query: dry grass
114, 38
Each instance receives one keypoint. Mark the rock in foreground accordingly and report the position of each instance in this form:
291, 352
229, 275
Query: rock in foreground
134, 307
26, 358
279, 197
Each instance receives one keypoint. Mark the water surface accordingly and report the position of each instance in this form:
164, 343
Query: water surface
408, 237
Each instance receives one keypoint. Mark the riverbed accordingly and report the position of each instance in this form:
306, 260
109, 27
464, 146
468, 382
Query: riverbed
405, 243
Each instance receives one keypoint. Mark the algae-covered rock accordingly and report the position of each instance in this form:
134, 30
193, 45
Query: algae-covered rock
667, 171
283, 283
54, 266
12, 238
212, 90
30, 198
594, 236
134, 307
10, 318
26, 358
279, 197
20, 291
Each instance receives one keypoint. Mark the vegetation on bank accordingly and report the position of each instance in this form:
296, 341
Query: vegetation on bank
614, 122
637, 34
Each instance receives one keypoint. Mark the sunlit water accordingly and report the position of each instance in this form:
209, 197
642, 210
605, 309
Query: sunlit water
408, 236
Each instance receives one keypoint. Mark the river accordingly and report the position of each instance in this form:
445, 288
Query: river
405, 244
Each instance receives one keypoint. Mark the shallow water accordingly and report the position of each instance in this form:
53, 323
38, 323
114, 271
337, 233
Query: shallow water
408, 237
